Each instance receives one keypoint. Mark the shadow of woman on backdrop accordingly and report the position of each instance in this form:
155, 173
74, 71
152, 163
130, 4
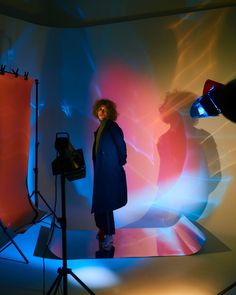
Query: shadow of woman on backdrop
189, 165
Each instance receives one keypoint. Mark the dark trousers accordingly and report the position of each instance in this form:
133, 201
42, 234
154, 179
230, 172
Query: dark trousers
105, 221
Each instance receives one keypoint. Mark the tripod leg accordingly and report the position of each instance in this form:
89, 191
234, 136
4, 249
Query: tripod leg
227, 289
45, 202
56, 283
80, 282
11, 241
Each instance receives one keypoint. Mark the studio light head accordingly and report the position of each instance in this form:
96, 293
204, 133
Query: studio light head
217, 99
70, 161
205, 105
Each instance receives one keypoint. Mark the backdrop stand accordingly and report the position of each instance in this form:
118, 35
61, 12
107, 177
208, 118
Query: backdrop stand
36, 191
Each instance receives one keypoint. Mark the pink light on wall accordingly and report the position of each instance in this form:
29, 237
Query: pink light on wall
137, 98
167, 168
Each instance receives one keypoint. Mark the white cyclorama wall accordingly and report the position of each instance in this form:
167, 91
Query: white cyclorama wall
134, 63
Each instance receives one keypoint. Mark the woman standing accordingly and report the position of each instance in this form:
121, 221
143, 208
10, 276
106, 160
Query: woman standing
109, 157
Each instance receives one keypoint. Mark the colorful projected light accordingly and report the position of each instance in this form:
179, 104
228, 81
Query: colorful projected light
168, 170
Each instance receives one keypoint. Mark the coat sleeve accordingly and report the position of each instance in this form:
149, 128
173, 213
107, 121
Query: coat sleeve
118, 138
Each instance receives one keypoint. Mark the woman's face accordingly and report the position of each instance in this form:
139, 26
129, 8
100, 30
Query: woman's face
102, 113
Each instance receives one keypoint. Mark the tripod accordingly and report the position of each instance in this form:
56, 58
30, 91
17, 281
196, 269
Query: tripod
64, 271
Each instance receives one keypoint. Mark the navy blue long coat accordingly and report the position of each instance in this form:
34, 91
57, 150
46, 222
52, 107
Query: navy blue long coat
110, 187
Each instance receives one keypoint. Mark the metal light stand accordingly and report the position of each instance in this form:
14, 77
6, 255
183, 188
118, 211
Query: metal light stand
63, 271
227, 289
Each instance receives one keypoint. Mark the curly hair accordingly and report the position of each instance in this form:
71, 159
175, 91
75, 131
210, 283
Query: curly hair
110, 105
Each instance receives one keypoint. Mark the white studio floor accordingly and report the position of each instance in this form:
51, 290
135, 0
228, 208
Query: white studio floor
206, 273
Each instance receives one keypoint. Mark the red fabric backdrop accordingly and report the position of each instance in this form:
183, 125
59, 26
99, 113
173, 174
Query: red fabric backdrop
15, 208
